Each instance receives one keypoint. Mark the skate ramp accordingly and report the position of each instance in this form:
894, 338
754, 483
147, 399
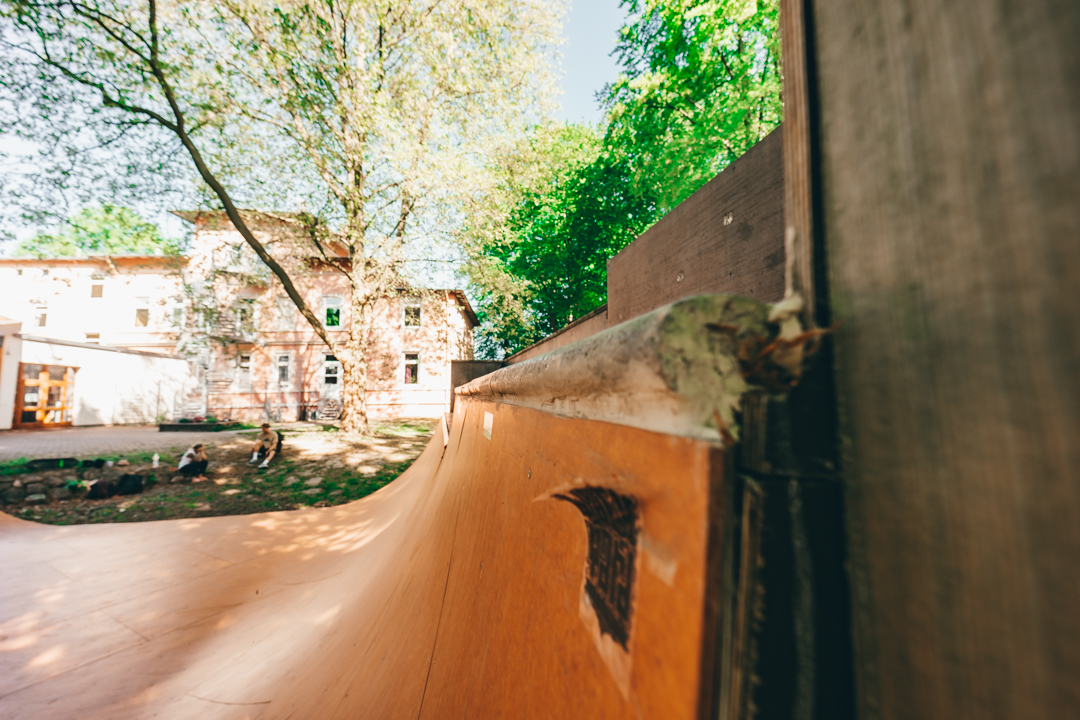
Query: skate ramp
545, 558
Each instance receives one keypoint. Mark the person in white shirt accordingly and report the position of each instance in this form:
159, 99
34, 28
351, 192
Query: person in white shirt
193, 463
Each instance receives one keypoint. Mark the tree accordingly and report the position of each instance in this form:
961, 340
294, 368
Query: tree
539, 239
102, 230
700, 84
363, 113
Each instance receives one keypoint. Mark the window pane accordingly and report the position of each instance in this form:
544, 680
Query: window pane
31, 372
412, 316
412, 368
56, 372
95, 291
333, 317
142, 317
39, 318
29, 416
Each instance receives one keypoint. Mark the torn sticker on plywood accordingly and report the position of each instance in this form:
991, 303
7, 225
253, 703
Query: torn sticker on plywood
606, 604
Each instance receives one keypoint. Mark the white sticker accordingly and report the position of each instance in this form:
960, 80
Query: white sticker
489, 420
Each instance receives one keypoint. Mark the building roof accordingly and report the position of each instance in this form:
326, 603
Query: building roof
466, 305
88, 259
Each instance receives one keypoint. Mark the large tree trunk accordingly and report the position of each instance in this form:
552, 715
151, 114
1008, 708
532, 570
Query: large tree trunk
354, 368
354, 419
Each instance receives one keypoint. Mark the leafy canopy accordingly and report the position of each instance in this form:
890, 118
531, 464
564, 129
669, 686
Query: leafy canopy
101, 230
700, 84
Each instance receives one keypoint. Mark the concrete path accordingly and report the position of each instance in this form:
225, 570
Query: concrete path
86, 441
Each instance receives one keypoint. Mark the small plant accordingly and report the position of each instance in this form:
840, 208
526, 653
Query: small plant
14, 467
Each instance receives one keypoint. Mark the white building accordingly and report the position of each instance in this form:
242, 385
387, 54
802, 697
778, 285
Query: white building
254, 356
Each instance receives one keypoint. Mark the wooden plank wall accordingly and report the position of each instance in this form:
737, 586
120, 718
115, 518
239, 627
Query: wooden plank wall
579, 329
728, 237
950, 145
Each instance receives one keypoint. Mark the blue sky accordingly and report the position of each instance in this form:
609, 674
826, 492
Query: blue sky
591, 29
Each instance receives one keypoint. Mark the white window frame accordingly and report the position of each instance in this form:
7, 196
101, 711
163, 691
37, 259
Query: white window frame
252, 303
285, 314
408, 303
277, 370
404, 364
243, 383
333, 301
326, 363
177, 323
142, 303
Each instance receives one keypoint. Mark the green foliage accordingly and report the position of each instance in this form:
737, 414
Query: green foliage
102, 230
565, 209
14, 467
700, 84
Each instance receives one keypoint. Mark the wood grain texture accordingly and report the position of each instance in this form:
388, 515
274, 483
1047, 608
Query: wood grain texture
579, 329
798, 207
950, 137
728, 237
454, 592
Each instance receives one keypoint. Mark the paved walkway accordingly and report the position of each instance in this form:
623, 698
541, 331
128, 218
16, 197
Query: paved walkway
85, 442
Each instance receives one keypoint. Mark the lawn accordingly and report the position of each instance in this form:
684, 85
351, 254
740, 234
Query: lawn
317, 468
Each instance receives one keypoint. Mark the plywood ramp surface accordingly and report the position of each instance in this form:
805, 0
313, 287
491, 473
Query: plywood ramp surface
458, 591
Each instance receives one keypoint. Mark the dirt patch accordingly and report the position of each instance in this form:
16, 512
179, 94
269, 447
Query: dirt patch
315, 469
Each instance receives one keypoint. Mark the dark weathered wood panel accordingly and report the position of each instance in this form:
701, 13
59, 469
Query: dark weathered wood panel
465, 371
950, 139
728, 237
594, 322
798, 206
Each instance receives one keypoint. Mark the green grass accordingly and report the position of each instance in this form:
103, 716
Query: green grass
14, 467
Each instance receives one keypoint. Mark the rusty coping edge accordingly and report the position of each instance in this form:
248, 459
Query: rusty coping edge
663, 371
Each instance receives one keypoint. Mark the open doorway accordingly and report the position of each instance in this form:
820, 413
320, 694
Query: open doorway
45, 396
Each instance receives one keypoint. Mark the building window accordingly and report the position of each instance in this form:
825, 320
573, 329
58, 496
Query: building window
178, 317
412, 314
412, 368
45, 272
40, 316
142, 311
95, 290
283, 370
332, 311
331, 370
18, 272
286, 315
93, 338
246, 314
243, 372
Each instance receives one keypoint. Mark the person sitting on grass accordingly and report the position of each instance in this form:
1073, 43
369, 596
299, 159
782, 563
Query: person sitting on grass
268, 443
193, 463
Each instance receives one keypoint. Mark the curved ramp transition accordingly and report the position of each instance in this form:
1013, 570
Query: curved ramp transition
533, 564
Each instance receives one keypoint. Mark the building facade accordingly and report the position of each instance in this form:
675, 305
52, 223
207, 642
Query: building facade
220, 308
